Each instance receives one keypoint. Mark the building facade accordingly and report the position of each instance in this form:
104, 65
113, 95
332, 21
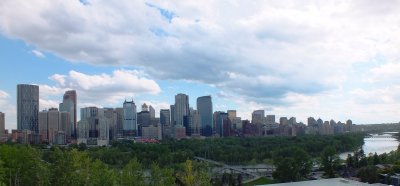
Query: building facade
28, 107
130, 127
2, 126
69, 105
205, 109
181, 108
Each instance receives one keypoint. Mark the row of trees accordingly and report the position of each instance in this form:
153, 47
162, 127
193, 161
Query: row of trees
147, 164
227, 150
24, 165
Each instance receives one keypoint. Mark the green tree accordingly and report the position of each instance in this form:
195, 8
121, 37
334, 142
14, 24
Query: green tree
192, 177
23, 165
132, 174
161, 176
100, 174
292, 164
368, 174
329, 161
376, 159
349, 161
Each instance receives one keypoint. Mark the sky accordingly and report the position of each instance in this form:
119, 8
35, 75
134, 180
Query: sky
326, 59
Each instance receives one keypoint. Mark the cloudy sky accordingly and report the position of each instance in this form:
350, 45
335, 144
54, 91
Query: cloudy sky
329, 59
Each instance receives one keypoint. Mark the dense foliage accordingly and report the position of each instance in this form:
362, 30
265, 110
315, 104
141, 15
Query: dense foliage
25, 165
293, 164
166, 163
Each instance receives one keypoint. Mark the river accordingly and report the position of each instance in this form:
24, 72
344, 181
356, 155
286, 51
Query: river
380, 143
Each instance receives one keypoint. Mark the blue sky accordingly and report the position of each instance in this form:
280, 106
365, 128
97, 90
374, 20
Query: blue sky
329, 59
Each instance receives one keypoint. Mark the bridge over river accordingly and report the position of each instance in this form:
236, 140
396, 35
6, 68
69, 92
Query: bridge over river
251, 172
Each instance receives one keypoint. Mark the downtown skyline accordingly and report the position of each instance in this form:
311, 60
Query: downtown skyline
328, 59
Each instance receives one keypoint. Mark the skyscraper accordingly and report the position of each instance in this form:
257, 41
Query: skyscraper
231, 114
52, 125
164, 117
181, 108
152, 112
145, 107
28, 107
258, 117
69, 105
130, 118
172, 111
205, 109
2, 125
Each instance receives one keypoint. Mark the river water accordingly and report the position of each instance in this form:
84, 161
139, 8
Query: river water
380, 143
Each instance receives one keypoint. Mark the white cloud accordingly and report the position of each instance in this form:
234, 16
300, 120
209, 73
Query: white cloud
388, 72
3, 95
37, 53
277, 54
100, 89
9, 109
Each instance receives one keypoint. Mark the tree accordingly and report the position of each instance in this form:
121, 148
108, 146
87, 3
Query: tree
23, 165
376, 159
349, 161
100, 174
161, 176
292, 164
192, 177
329, 161
132, 174
368, 174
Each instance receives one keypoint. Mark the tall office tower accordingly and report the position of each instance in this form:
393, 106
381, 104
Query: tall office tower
320, 122
205, 109
181, 108
69, 105
231, 114
195, 123
349, 125
283, 121
164, 117
53, 118
65, 121
43, 126
28, 107
145, 107
311, 121
111, 118
219, 119
237, 123
143, 120
152, 112
258, 117
270, 122
270, 119
172, 109
2, 125
130, 119
52, 125
119, 121
94, 126
292, 121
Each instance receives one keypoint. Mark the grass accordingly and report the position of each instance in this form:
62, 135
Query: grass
260, 181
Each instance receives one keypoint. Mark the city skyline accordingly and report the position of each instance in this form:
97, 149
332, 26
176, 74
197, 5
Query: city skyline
334, 60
